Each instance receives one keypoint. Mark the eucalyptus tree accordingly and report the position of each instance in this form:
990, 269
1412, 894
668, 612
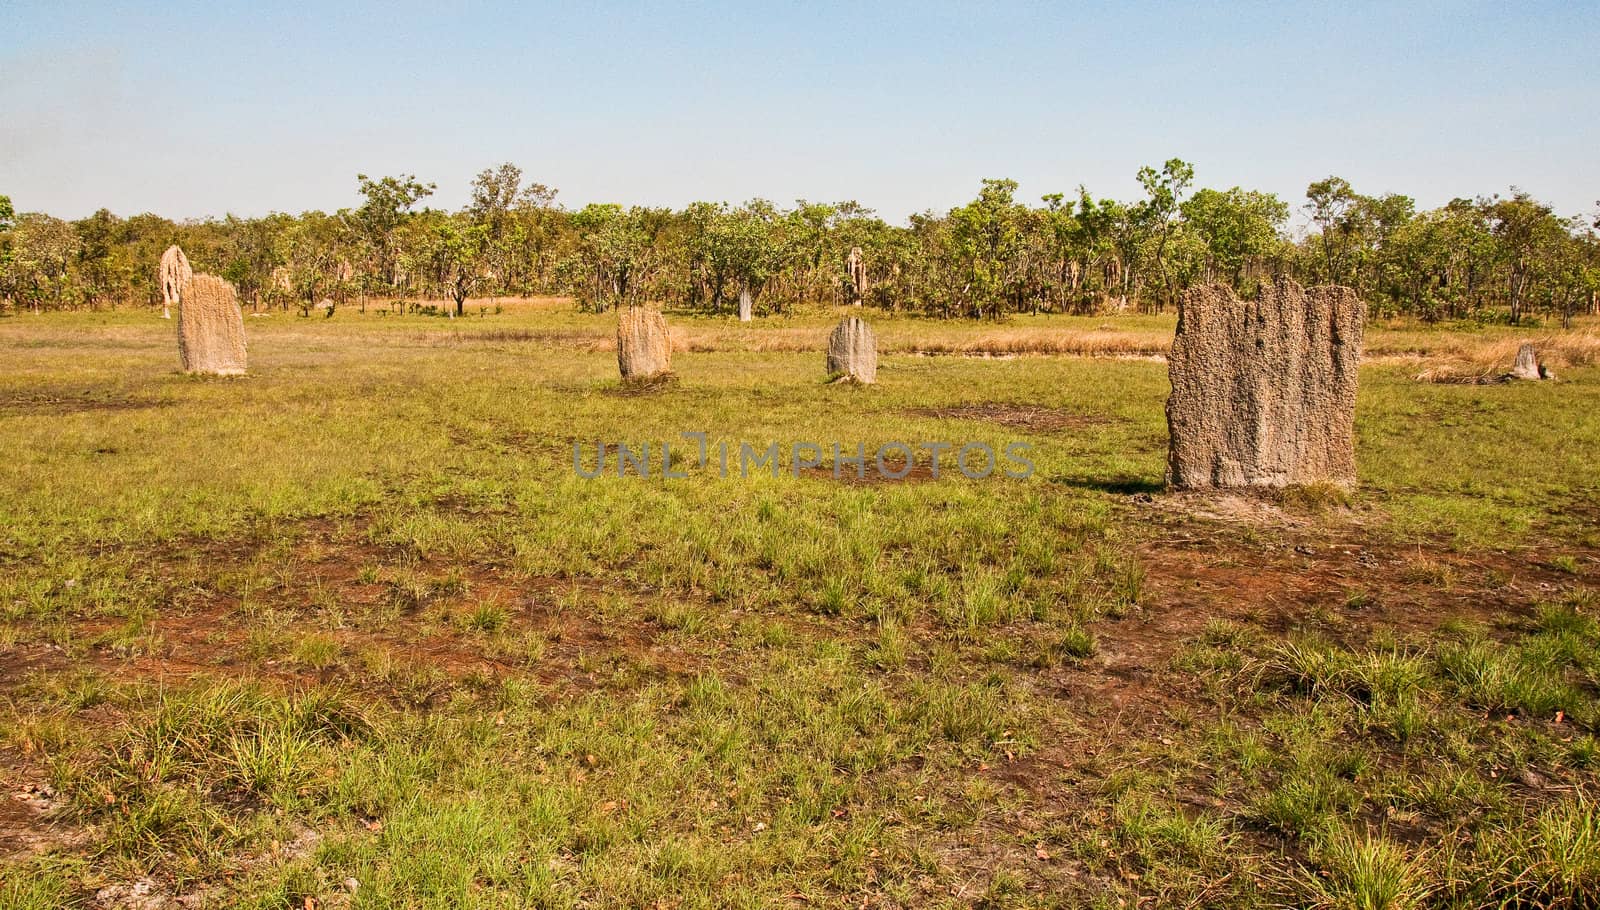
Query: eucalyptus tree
41, 252
1094, 245
249, 250
1078, 238
311, 249
386, 207
1126, 230
757, 247
101, 273
1575, 276
707, 262
812, 231
987, 239
616, 256
1523, 228
1237, 227
1383, 217
516, 224
936, 282
1439, 257
535, 234
1158, 214
7, 218
1335, 209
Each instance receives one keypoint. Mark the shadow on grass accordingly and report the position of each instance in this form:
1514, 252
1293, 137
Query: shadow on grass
647, 385
1119, 486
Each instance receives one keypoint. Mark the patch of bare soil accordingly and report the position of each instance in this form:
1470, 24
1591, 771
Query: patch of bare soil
26, 803
58, 403
1264, 511
1250, 561
1032, 418
365, 599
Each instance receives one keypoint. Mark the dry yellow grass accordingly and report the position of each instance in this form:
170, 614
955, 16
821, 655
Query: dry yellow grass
1470, 359
901, 336
1439, 353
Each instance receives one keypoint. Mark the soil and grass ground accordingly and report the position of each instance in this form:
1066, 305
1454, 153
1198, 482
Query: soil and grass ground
351, 631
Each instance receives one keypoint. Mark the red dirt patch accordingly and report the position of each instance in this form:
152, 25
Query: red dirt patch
1344, 584
26, 801
367, 602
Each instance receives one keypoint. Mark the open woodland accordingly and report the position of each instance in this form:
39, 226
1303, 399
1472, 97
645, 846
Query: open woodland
354, 630
1488, 258
349, 631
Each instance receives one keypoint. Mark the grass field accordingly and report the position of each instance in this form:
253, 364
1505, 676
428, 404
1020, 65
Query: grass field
350, 631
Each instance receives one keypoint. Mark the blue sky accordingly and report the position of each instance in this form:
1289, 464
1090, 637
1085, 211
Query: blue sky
204, 109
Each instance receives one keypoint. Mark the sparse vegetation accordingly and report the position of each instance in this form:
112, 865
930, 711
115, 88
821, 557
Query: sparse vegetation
396, 641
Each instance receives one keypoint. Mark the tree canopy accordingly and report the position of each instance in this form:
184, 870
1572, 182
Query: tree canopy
1486, 257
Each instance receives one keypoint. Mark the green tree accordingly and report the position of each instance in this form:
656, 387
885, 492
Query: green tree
99, 237
1238, 227
512, 217
41, 251
1335, 208
987, 238
1440, 261
456, 256
756, 249
615, 257
387, 205
311, 248
1522, 228
1158, 214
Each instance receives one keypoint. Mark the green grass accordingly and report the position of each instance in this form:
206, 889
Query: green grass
353, 617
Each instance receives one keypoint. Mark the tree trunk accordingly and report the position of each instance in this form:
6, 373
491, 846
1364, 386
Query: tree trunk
746, 304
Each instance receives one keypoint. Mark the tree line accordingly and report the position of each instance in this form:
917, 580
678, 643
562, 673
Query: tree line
1491, 257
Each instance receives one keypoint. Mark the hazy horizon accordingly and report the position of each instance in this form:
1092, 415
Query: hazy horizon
202, 111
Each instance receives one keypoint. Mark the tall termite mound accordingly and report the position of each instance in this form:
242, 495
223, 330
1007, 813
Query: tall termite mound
1264, 390
174, 271
210, 327
853, 352
856, 270
644, 349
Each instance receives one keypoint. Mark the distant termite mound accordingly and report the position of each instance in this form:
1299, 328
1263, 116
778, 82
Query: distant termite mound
1528, 365
644, 350
853, 352
856, 268
174, 271
210, 327
1264, 390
